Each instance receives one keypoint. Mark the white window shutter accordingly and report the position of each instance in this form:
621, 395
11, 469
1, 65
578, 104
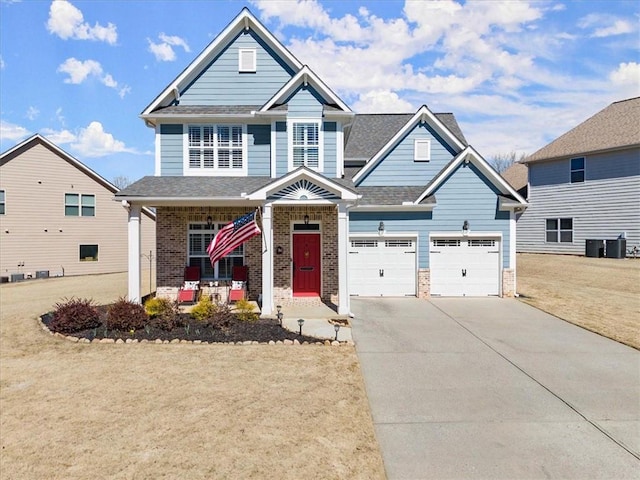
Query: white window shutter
422, 150
247, 60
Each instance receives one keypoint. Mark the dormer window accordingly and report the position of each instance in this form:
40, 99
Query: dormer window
305, 145
422, 150
247, 60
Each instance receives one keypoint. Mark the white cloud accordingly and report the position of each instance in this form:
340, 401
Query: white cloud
2, 64
59, 137
93, 141
79, 71
605, 25
619, 27
12, 132
626, 80
32, 113
67, 21
163, 50
381, 101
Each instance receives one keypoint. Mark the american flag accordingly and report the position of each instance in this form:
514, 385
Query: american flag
232, 235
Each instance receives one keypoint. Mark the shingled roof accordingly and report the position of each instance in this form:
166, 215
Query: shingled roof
517, 175
371, 131
615, 127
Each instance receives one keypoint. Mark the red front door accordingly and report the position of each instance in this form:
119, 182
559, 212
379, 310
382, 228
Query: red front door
306, 265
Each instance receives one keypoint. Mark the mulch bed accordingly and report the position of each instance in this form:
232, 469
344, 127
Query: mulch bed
262, 330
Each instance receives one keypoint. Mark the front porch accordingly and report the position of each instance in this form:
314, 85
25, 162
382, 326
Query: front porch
183, 234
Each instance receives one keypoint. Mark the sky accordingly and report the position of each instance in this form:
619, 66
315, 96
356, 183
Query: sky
516, 74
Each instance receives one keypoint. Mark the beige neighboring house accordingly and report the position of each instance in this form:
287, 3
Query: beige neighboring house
58, 217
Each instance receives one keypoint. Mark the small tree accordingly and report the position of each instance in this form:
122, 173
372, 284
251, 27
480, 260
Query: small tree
121, 181
502, 161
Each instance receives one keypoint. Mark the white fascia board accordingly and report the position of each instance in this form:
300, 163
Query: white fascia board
65, 156
471, 155
305, 75
244, 19
393, 208
422, 115
303, 173
471, 234
187, 201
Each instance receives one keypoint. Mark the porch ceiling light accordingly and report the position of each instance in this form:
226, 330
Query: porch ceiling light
209, 220
306, 219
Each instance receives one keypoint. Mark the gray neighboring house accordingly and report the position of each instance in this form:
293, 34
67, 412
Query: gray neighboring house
585, 185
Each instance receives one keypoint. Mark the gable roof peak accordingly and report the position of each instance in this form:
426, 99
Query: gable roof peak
243, 21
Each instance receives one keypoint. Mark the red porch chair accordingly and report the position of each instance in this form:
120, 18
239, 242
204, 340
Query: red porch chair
188, 293
239, 278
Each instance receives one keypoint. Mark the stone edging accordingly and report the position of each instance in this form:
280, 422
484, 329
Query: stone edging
71, 338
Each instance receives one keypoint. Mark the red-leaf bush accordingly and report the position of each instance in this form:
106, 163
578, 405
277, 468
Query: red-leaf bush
126, 316
74, 315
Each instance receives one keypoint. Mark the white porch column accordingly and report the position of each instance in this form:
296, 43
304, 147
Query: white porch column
134, 254
344, 305
267, 261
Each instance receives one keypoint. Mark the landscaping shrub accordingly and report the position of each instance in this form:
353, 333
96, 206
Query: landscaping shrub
159, 306
204, 310
244, 311
222, 317
74, 315
126, 316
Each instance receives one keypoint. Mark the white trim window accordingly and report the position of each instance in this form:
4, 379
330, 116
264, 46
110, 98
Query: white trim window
2, 202
199, 238
305, 144
421, 150
577, 169
218, 149
79, 205
559, 230
247, 60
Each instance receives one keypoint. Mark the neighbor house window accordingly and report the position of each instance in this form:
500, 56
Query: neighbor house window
88, 253
306, 145
200, 236
2, 204
247, 60
577, 170
422, 150
79, 205
559, 230
217, 148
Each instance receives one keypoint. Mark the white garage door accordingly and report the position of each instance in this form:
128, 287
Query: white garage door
382, 267
464, 266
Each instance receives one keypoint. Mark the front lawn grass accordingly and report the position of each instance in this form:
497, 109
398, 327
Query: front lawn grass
599, 294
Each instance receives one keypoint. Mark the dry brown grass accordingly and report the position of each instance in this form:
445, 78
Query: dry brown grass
85, 411
599, 294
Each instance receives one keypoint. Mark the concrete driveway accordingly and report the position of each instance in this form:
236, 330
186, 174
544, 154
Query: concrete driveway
492, 388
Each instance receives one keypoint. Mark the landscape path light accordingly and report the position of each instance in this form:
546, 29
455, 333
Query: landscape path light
336, 327
300, 323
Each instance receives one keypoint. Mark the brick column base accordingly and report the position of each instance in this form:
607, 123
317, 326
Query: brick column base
508, 282
424, 283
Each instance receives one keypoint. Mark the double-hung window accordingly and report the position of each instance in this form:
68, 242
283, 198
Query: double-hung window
216, 148
577, 170
79, 205
306, 144
200, 236
559, 230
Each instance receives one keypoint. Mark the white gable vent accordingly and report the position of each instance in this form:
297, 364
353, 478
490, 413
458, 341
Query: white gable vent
247, 60
422, 150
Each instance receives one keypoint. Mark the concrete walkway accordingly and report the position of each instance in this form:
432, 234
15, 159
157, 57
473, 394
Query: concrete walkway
491, 388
